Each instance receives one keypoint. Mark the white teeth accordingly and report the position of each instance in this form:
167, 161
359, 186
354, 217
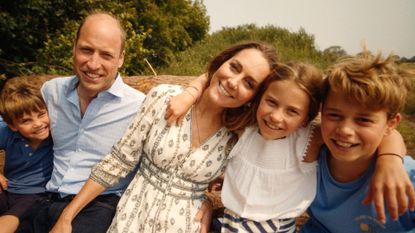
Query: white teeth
271, 126
41, 131
225, 92
344, 144
91, 75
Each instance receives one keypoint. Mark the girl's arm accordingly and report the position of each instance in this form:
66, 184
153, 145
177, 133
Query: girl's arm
313, 149
390, 180
180, 104
204, 216
89, 192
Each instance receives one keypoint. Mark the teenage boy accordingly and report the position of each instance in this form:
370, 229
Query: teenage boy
24, 135
362, 98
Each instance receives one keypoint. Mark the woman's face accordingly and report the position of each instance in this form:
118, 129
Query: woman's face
238, 79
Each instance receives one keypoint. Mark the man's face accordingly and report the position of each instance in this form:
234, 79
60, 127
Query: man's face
97, 54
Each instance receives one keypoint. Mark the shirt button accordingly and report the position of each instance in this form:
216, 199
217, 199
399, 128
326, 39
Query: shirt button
26, 145
30, 154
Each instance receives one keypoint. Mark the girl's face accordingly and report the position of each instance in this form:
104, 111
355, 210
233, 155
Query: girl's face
282, 110
237, 80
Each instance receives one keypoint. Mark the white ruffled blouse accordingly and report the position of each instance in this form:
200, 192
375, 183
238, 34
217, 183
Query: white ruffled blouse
266, 179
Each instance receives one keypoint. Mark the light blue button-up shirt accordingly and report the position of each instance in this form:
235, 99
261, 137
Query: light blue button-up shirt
81, 142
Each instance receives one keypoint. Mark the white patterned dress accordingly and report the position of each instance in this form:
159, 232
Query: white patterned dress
168, 188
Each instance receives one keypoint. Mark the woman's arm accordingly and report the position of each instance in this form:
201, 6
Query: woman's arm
89, 192
390, 181
180, 104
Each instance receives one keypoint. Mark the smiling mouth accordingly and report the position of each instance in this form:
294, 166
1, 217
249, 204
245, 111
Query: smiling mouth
42, 130
92, 76
344, 144
224, 91
271, 126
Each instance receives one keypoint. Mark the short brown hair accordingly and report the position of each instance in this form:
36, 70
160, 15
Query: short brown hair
120, 27
232, 115
373, 81
18, 97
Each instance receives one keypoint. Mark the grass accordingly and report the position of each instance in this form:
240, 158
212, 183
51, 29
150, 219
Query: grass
407, 129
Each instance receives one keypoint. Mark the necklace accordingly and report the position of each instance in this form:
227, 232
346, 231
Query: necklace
194, 114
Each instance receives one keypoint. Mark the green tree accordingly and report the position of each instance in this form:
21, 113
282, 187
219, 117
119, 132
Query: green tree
333, 53
37, 35
290, 46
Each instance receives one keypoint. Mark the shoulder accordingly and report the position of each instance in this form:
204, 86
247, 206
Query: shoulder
58, 83
133, 94
5, 133
59, 80
166, 90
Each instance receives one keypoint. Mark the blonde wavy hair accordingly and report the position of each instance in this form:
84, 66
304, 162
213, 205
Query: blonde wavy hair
371, 80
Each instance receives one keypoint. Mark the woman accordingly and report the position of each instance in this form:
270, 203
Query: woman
177, 162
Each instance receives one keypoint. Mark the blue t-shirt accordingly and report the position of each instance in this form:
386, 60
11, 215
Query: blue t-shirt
27, 171
338, 206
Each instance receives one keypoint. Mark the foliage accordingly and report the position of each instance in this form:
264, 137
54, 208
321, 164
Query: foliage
407, 129
333, 53
37, 35
290, 46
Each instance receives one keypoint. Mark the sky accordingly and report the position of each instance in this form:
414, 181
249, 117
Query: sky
385, 25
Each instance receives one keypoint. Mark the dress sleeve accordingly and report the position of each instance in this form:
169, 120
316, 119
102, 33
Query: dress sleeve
125, 154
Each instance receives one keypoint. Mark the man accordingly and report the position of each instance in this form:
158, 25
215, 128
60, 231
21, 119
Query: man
89, 113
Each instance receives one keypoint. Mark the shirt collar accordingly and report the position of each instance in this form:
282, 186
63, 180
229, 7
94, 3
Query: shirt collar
17, 136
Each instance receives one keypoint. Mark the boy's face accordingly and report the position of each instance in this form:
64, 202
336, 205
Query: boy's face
34, 126
351, 131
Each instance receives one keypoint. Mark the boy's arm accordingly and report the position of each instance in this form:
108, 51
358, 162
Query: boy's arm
3, 183
180, 104
390, 180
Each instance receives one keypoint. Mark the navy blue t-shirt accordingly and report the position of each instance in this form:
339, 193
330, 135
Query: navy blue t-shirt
27, 171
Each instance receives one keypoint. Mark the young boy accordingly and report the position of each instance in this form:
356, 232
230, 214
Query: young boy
24, 135
362, 98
